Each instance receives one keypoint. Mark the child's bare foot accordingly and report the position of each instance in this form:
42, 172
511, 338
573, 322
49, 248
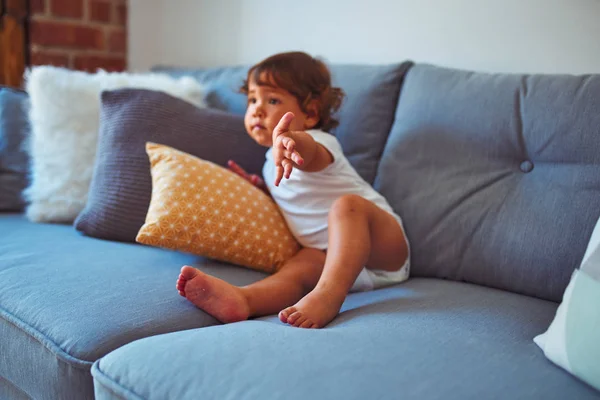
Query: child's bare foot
218, 298
315, 310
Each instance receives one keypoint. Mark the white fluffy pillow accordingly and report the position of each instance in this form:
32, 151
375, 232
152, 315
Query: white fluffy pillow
64, 115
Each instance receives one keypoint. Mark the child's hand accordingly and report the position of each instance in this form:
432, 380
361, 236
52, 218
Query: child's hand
252, 178
284, 149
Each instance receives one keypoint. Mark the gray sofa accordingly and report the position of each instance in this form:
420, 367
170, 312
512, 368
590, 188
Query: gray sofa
497, 178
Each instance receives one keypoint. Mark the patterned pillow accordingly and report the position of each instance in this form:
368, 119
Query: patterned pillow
202, 208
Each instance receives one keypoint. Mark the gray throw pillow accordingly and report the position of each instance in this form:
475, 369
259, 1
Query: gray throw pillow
496, 176
366, 115
121, 185
14, 160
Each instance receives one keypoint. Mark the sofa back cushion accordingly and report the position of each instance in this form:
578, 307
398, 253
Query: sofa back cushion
121, 186
14, 161
366, 115
497, 177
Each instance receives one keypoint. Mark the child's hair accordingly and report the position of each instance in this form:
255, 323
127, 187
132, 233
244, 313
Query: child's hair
305, 77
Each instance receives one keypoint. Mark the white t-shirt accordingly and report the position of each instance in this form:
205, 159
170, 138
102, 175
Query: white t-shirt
306, 197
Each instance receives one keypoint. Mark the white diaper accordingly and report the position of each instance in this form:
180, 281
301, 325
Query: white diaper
370, 279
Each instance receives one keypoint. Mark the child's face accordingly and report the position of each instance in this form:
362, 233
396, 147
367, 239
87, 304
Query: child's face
266, 106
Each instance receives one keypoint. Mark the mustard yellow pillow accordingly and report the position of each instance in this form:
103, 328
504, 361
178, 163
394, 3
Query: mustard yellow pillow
201, 208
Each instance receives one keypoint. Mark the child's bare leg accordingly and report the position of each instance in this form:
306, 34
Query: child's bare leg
229, 303
360, 234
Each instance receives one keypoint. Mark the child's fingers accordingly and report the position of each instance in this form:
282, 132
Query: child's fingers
277, 154
283, 125
287, 147
237, 169
287, 167
278, 151
278, 174
295, 157
233, 165
288, 143
259, 183
256, 180
280, 143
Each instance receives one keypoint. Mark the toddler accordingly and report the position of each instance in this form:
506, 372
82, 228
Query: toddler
351, 238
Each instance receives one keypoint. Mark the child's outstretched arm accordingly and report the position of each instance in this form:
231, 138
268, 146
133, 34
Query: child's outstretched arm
296, 149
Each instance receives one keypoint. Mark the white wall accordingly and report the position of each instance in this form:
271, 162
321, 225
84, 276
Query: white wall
553, 36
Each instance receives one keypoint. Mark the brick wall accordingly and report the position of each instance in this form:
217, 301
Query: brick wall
79, 34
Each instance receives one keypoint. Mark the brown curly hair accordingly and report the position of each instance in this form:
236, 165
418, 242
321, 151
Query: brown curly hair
305, 77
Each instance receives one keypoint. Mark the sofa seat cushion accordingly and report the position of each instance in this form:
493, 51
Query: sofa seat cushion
424, 339
66, 300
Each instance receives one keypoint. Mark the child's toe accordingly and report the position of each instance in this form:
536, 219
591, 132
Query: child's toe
282, 317
307, 324
188, 272
285, 314
299, 321
293, 317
